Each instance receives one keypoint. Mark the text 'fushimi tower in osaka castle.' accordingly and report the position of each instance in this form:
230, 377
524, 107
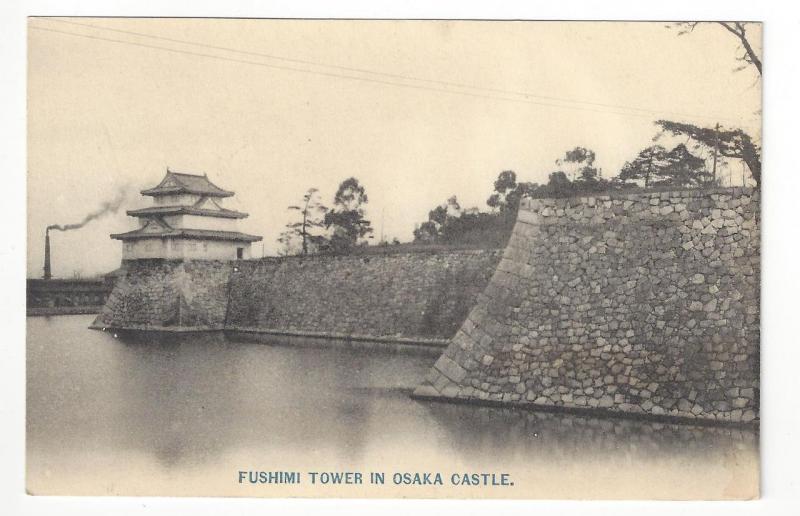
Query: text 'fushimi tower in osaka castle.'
187, 221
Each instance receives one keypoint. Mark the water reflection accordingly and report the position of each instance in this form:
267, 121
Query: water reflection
568, 437
142, 415
168, 399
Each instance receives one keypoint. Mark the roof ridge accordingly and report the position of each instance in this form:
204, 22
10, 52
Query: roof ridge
187, 174
192, 183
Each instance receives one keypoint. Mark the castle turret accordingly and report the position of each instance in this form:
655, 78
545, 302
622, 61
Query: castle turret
187, 220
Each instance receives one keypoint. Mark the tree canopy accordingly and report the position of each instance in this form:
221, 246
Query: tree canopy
323, 230
312, 218
684, 169
657, 167
346, 220
729, 143
507, 192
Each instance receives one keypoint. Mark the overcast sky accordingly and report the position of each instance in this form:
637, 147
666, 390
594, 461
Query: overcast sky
105, 115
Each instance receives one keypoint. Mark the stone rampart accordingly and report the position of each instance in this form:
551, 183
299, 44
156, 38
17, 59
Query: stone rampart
425, 295
168, 295
640, 303
415, 295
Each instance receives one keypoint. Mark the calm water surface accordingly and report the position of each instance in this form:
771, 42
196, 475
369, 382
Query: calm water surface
183, 416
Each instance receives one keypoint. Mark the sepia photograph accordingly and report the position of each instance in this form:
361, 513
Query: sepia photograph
393, 258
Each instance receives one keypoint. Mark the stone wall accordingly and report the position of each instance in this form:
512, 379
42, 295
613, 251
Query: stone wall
415, 295
644, 303
168, 295
419, 294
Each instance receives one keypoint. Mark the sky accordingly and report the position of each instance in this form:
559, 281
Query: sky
416, 110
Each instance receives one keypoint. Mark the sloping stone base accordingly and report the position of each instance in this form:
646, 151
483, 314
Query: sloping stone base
639, 303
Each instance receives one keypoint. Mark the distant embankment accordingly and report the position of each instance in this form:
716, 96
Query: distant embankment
421, 296
66, 296
639, 303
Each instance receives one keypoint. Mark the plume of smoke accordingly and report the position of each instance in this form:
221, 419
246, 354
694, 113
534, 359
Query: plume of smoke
106, 208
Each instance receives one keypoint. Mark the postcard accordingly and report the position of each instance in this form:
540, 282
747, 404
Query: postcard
393, 258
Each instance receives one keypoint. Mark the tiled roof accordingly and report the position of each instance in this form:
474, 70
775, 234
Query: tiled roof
186, 210
176, 183
195, 234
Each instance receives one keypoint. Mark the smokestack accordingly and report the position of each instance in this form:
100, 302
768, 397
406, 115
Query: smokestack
47, 272
105, 208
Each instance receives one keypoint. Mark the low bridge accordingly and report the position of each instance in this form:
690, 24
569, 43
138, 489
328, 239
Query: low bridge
67, 296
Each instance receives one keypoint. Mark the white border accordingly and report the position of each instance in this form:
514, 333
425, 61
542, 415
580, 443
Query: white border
780, 356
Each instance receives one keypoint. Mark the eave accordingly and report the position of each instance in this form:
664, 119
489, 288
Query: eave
186, 210
188, 234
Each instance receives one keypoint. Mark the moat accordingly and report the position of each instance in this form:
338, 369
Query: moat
183, 416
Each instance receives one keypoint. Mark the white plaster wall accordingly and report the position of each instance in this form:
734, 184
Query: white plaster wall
200, 222
207, 249
176, 200
144, 248
183, 249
